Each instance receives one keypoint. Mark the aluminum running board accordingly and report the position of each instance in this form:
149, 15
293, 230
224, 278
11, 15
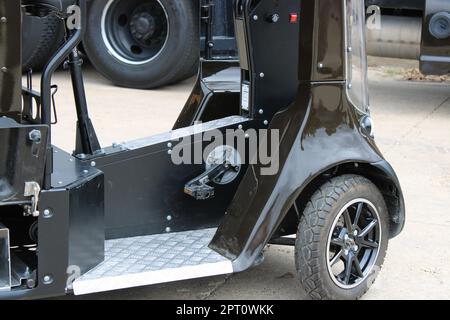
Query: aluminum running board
147, 260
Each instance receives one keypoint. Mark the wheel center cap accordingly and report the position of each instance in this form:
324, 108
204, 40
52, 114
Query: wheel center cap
349, 243
143, 26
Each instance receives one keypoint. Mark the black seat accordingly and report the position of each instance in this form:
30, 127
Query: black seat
42, 8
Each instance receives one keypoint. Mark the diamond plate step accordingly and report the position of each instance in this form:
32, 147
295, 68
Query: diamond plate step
147, 260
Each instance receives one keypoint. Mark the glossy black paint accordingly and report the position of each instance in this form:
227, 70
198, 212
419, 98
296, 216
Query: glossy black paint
215, 95
132, 189
435, 53
320, 130
10, 60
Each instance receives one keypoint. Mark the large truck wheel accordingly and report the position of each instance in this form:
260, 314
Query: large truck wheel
41, 38
143, 43
342, 239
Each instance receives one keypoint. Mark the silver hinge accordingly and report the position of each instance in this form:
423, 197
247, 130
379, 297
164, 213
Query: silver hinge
32, 189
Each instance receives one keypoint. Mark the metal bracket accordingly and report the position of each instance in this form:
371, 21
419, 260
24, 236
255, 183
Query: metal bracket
198, 187
33, 190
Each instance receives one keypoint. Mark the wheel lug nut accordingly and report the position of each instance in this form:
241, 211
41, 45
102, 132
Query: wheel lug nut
355, 233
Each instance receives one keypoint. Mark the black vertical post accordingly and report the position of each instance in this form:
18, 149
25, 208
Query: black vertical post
207, 17
86, 141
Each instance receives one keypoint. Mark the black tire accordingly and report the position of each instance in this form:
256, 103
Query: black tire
41, 38
319, 224
115, 53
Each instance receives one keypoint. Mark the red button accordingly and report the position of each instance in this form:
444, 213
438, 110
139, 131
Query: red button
293, 18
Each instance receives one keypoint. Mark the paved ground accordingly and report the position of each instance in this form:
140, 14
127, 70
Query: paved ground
413, 130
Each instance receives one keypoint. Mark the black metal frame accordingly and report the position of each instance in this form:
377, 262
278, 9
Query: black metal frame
84, 198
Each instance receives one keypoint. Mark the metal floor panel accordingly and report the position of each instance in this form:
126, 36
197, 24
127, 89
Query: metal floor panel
162, 258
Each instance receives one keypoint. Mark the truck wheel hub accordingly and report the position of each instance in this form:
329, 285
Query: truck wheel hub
143, 26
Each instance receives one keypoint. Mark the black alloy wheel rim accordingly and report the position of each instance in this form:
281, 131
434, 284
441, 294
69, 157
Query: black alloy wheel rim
354, 244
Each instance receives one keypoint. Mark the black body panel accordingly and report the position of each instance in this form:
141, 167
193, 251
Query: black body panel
72, 237
144, 188
320, 130
21, 159
215, 95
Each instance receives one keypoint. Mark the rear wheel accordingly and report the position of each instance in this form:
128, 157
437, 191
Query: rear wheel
143, 43
342, 239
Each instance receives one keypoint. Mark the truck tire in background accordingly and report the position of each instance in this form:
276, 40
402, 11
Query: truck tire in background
41, 38
143, 43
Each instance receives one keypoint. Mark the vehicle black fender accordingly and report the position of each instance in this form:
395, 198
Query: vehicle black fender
319, 131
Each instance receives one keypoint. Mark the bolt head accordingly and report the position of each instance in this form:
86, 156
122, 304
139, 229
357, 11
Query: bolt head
31, 283
93, 164
266, 122
4, 69
261, 111
169, 145
168, 229
48, 279
47, 213
35, 136
169, 218
255, 17
355, 233
3, 20
262, 75
355, 248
